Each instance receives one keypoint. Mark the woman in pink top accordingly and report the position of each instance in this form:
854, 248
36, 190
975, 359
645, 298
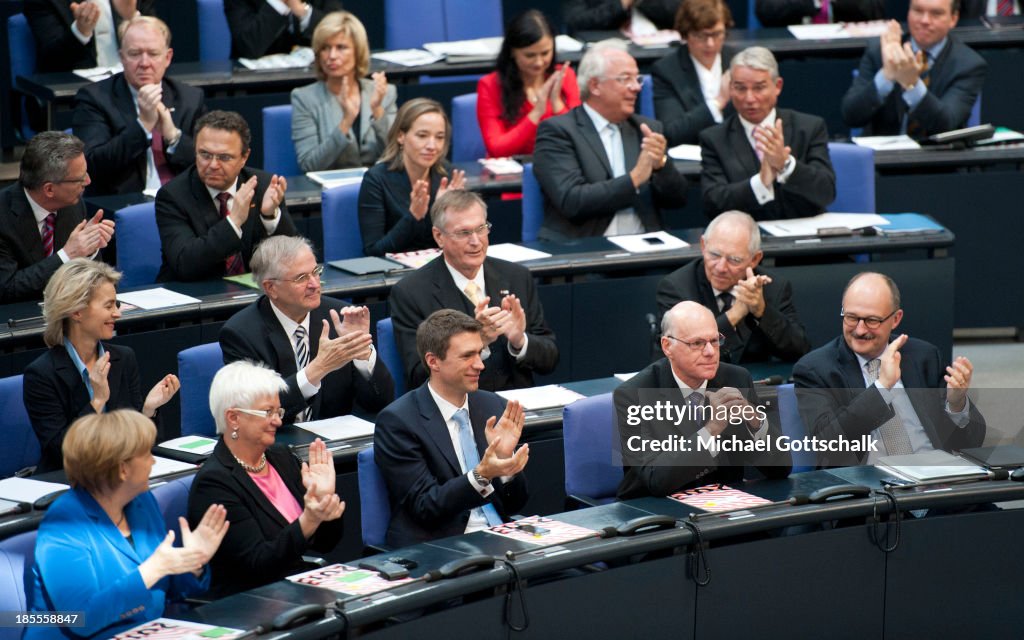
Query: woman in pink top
526, 88
278, 506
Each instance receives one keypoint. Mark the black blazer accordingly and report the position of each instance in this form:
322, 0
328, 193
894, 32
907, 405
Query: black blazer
106, 120
834, 402
580, 195
260, 546
954, 82
431, 288
665, 473
780, 13
57, 49
195, 239
678, 99
608, 15
258, 30
55, 396
778, 332
430, 496
254, 333
728, 161
384, 218
24, 269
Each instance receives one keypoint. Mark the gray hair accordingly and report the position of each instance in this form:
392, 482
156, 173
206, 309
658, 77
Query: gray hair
758, 58
272, 254
594, 62
240, 385
456, 200
69, 290
46, 158
739, 218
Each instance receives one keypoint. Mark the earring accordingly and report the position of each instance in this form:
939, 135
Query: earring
234, 434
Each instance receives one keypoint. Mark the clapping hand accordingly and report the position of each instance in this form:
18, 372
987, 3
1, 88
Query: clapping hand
958, 381
458, 181
206, 537
380, 89
160, 394
318, 473
515, 328
274, 196
750, 292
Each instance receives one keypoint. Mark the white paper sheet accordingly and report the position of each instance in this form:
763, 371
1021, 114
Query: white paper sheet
337, 177
514, 252
95, 74
28, 490
156, 298
199, 445
299, 58
549, 395
166, 466
649, 242
685, 152
626, 376
886, 143
477, 47
838, 30
339, 428
809, 226
408, 57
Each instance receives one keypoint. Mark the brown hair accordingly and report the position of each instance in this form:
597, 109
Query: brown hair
434, 333
697, 15
407, 115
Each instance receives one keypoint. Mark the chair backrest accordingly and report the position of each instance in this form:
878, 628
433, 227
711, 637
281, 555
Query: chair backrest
645, 101
410, 23
16, 553
172, 498
467, 142
214, 34
855, 177
533, 205
588, 426
196, 368
974, 119
138, 244
20, 446
387, 349
340, 214
374, 507
485, 19
278, 149
793, 427
752, 21
21, 45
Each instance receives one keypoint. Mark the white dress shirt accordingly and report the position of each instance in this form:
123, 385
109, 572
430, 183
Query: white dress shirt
626, 221
710, 84
765, 194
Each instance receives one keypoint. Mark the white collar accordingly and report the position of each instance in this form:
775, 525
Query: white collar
446, 408
287, 323
748, 127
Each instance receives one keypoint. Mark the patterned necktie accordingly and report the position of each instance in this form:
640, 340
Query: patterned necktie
894, 436
163, 169
301, 360
233, 264
49, 222
696, 401
473, 292
472, 458
753, 143
1004, 8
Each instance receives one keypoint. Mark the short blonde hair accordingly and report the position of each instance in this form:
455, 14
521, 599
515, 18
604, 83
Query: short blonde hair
97, 444
342, 22
69, 290
154, 23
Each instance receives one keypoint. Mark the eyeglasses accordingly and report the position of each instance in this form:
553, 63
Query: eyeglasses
871, 322
269, 414
700, 343
626, 80
222, 158
83, 180
736, 261
317, 271
464, 234
707, 35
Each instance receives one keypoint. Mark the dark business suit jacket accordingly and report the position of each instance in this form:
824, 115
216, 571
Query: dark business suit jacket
954, 83
258, 30
608, 15
24, 269
432, 288
679, 100
665, 473
834, 402
429, 493
195, 239
780, 13
728, 161
260, 546
384, 218
580, 195
254, 333
777, 333
55, 396
107, 121
57, 49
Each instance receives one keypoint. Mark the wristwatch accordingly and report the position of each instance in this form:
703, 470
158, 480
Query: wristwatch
480, 479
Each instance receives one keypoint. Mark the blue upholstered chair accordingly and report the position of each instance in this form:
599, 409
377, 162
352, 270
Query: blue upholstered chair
410, 23
533, 205
20, 448
22, 57
793, 427
196, 368
855, 178
645, 101
172, 498
387, 349
278, 150
374, 507
138, 244
214, 33
16, 553
592, 475
467, 141
340, 213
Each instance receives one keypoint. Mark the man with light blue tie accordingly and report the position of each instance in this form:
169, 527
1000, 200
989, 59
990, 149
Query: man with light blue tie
447, 450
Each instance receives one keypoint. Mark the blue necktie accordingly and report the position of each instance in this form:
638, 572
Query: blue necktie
472, 458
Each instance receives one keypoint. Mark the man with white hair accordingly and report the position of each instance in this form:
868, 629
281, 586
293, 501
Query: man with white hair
602, 168
771, 163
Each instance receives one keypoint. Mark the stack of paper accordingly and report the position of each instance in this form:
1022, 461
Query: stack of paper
178, 629
838, 30
543, 531
338, 428
718, 497
809, 226
96, 74
514, 253
501, 166
685, 152
407, 57
345, 579
166, 466
466, 50
299, 58
29, 490
414, 259
648, 242
886, 143
545, 397
199, 445
156, 298
930, 465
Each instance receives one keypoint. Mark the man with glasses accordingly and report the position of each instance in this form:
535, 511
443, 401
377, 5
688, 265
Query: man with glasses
602, 168
212, 216
290, 328
708, 409
500, 295
137, 125
754, 308
898, 390
43, 221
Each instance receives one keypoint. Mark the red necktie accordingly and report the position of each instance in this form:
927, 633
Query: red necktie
163, 169
49, 222
1004, 8
233, 265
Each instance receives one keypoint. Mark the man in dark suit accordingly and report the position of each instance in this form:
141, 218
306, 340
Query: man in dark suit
262, 27
754, 307
971, 9
447, 450
921, 87
137, 125
500, 295
715, 411
899, 393
603, 170
771, 163
288, 329
43, 221
212, 216
79, 35
780, 13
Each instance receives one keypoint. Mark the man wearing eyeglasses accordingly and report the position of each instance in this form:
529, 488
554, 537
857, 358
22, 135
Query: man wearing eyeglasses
754, 308
715, 417
898, 390
602, 168
500, 295
212, 216
137, 125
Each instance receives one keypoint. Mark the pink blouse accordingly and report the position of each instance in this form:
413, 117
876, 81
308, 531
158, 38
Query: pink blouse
277, 492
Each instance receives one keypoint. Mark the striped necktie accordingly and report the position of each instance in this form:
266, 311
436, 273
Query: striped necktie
49, 222
301, 360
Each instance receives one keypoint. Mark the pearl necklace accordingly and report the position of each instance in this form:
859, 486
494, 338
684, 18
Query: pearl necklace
251, 469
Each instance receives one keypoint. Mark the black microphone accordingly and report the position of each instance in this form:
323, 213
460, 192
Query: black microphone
607, 532
652, 324
453, 569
